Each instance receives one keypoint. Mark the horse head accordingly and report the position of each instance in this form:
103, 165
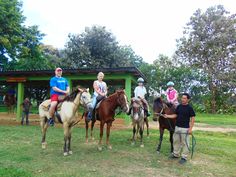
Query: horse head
85, 99
137, 108
122, 100
159, 107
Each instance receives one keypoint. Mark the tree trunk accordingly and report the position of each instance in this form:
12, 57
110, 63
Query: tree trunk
213, 90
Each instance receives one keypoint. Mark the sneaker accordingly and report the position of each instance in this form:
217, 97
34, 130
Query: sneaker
172, 156
51, 122
182, 161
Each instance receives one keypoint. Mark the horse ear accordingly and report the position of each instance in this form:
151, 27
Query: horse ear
80, 90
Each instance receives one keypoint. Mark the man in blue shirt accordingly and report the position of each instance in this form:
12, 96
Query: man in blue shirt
59, 89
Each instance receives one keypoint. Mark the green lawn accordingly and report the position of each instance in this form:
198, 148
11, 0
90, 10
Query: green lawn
217, 119
21, 155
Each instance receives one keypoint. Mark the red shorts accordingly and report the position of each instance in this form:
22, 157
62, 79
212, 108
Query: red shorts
54, 97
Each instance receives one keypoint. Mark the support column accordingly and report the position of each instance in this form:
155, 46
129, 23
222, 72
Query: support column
128, 87
70, 84
20, 98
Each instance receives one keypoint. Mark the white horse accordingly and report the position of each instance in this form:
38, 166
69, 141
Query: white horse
67, 113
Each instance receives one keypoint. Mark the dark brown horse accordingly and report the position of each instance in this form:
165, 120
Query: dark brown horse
105, 113
10, 102
159, 108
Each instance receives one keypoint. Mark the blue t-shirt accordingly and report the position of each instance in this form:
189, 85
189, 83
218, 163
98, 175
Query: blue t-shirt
59, 82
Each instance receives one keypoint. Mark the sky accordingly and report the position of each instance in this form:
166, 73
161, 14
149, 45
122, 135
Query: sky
150, 27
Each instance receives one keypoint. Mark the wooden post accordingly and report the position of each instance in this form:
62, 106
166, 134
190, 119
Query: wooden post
20, 98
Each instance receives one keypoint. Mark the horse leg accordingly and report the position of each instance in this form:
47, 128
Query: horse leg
147, 124
160, 141
171, 141
92, 125
66, 139
141, 127
108, 135
101, 135
86, 126
69, 140
44, 127
134, 131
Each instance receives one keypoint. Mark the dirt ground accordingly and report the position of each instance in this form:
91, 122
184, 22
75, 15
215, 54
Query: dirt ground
119, 123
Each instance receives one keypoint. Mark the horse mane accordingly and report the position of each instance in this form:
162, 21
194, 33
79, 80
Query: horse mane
158, 100
71, 97
115, 93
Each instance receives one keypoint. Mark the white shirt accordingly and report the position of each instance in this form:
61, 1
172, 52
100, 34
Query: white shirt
102, 87
140, 91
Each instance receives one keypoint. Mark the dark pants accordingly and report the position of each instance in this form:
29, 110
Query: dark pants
25, 115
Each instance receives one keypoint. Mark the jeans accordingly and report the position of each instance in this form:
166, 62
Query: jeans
26, 116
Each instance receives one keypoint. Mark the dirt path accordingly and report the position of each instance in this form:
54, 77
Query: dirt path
202, 127
10, 119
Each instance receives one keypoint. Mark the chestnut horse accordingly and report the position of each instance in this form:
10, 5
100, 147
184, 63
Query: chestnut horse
160, 107
10, 102
105, 113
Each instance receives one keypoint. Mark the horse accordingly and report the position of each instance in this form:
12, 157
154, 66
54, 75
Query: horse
160, 107
10, 102
105, 113
67, 114
138, 116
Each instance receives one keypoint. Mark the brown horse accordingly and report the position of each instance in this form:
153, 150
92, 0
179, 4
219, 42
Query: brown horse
105, 113
138, 116
160, 108
10, 102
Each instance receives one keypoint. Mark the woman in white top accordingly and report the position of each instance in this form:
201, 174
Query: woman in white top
100, 91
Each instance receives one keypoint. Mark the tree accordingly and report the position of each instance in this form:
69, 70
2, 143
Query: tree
208, 43
19, 45
97, 47
11, 19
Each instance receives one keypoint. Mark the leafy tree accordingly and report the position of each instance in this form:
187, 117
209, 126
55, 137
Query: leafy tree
19, 45
11, 30
209, 44
97, 47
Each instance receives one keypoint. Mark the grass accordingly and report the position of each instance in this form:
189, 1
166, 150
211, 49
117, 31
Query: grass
21, 155
217, 119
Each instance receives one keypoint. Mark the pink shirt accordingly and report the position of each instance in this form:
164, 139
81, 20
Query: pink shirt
172, 95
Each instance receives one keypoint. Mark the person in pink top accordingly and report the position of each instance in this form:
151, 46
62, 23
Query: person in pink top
172, 94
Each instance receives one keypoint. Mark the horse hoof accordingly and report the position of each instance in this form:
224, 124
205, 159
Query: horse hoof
110, 147
142, 145
148, 137
158, 152
93, 138
99, 148
65, 154
86, 141
44, 145
70, 152
133, 143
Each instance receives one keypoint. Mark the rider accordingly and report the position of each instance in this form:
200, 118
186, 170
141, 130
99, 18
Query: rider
140, 92
172, 94
100, 91
59, 89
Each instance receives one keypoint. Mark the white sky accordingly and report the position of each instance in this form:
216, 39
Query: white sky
151, 27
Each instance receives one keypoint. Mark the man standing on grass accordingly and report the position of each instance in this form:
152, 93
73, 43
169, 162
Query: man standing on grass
185, 117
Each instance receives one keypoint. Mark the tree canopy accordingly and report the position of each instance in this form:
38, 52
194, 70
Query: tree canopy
209, 44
